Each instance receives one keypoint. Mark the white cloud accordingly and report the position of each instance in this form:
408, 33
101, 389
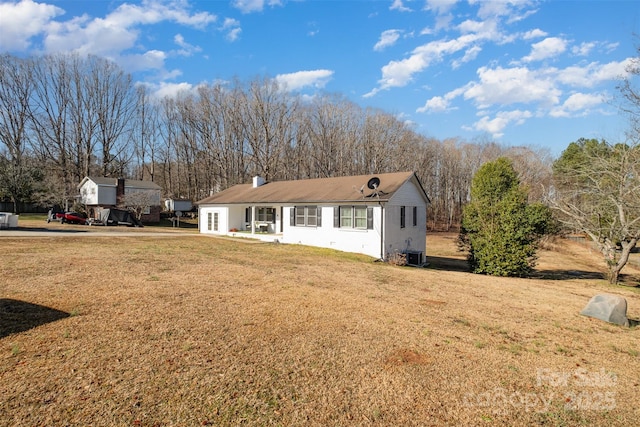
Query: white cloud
591, 74
400, 73
437, 104
577, 103
150, 60
187, 49
443, 22
302, 79
440, 104
488, 9
387, 38
505, 86
116, 36
440, 6
534, 34
250, 6
547, 48
495, 126
488, 27
610, 47
399, 6
543, 88
21, 21
171, 90
232, 29
469, 55
119, 30
584, 49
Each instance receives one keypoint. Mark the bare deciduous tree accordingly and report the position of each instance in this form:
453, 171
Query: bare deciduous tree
17, 177
597, 192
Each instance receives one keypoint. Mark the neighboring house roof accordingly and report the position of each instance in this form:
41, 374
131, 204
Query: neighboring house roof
319, 190
113, 182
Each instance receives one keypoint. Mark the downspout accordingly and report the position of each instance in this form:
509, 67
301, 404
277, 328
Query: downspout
381, 230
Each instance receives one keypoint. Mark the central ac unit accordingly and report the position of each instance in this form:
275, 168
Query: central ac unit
414, 257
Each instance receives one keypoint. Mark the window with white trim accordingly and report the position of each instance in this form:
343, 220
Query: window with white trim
306, 216
358, 217
265, 214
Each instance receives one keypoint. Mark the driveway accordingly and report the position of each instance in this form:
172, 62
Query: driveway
37, 229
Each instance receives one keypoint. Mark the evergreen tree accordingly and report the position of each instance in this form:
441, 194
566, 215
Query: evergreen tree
500, 229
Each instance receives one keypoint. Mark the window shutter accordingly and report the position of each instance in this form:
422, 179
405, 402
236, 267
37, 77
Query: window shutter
402, 216
336, 217
415, 216
318, 216
292, 216
369, 218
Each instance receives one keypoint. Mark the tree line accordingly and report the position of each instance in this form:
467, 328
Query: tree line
67, 116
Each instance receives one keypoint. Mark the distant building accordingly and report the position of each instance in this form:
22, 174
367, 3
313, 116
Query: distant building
106, 193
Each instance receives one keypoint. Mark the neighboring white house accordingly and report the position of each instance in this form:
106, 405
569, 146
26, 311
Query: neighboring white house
104, 193
376, 215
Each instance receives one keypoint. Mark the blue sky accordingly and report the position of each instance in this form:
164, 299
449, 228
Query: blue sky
520, 72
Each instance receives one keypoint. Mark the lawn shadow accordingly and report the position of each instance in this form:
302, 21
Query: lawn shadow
19, 316
448, 264
461, 265
566, 274
49, 230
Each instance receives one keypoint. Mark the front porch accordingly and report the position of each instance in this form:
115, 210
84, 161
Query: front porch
256, 220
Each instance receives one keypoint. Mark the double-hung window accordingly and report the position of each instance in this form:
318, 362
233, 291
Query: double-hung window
346, 216
358, 217
265, 215
306, 216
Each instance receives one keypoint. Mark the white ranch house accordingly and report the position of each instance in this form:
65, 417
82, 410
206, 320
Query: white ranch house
377, 215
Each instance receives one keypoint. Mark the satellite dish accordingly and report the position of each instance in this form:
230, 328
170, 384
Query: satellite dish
373, 183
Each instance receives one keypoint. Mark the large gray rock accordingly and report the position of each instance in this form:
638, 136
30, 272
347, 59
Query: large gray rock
610, 308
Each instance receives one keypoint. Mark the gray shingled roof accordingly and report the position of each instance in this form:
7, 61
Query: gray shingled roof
133, 183
320, 190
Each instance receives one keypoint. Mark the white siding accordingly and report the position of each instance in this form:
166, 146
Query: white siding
89, 193
223, 220
94, 194
327, 236
413, 238
236, 217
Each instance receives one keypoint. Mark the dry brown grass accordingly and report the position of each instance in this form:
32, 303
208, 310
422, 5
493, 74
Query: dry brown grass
195, 330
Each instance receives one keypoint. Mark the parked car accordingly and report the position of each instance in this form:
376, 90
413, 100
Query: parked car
72, 217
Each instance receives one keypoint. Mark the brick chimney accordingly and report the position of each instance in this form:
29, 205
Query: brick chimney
120, 192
